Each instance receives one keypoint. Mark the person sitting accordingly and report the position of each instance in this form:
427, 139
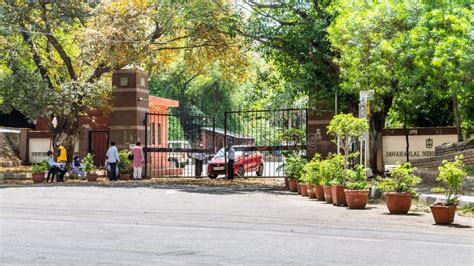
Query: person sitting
78, 167
55, 168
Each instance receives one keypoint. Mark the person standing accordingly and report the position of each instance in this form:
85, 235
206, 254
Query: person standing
113, 158
199, 157
138, 159
62, 155
230, 162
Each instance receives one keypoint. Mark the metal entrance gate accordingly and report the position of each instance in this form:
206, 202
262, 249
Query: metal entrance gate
173, 142
98, 145
263, 138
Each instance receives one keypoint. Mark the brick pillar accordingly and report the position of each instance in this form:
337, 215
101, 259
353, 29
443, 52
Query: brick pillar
318, 140
130, 104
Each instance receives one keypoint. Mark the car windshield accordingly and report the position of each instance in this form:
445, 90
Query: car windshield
220, 153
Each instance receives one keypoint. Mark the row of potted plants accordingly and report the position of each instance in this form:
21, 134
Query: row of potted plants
338, 182
323, 180
125, 167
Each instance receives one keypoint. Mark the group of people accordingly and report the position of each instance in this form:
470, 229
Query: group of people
112, 159
57, 168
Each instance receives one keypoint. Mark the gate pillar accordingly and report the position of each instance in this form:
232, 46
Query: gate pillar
130, 104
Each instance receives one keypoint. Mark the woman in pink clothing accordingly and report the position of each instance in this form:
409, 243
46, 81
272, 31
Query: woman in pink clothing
138, 159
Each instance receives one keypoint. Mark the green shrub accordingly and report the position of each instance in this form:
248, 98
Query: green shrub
125, 164
88, 161
294, 166
39, 167
452, 174
356, 179
402, 179
331, 170
311, 173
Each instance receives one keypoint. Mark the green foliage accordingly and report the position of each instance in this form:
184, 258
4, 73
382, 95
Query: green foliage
311, 171
89, 165
39, 167
294, 167
331, 170
347, 129
356, 178
452, 174
125, 164
402, 179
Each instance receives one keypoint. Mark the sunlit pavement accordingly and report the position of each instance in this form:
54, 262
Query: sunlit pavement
220, 225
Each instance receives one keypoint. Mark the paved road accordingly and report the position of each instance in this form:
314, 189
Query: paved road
143, 225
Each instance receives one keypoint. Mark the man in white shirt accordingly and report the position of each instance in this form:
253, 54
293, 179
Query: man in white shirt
113, 158
230, 162
199, 157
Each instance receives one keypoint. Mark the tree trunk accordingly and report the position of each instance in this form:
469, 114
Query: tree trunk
457, 118
405, 130
377, 123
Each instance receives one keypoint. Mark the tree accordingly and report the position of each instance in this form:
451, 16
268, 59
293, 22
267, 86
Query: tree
292, 36
60, 50
347, 129
441, 45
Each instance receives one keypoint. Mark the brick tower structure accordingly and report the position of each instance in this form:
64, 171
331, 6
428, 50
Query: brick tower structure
130, 104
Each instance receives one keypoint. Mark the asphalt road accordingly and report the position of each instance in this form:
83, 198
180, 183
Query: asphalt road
144, 225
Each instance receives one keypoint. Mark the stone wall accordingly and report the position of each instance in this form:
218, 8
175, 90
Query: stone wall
449, 148
435, 161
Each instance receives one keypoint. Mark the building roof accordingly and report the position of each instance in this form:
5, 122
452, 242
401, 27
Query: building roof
161, 102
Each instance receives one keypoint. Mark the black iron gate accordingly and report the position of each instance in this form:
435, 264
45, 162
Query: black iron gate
174, 142
263, 139
98, 145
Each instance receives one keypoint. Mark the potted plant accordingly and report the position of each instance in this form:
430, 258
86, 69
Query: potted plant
357, 192
325, 176
293, 169
312, 177
89, 168
399, 188
452, 175
125, 165
347, 129
38, 171
337, 181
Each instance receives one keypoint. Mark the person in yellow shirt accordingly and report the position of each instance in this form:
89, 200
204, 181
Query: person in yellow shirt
62, 155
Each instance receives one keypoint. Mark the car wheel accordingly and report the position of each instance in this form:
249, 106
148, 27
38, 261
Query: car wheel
241, 171
182, 165
260, 170
212, 176
176, 164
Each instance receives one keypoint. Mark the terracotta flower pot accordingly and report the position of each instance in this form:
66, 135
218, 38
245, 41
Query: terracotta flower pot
443, 214
293, 186
92, 177
298, 188
311, 193
398, 202
304, 190
125, 177
287, 185
38, 177
357, 199
319, 191
327, 193
338, 195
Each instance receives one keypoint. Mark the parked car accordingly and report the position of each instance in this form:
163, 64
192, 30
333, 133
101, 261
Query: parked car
244, 162
180, 159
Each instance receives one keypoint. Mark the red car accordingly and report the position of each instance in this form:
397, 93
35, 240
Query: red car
244, 162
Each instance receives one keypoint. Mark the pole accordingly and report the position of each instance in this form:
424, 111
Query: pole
335, 113
225, 143
146, 144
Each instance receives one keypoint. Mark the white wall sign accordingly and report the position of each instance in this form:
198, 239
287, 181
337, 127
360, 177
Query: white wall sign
38, 147
421, 146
